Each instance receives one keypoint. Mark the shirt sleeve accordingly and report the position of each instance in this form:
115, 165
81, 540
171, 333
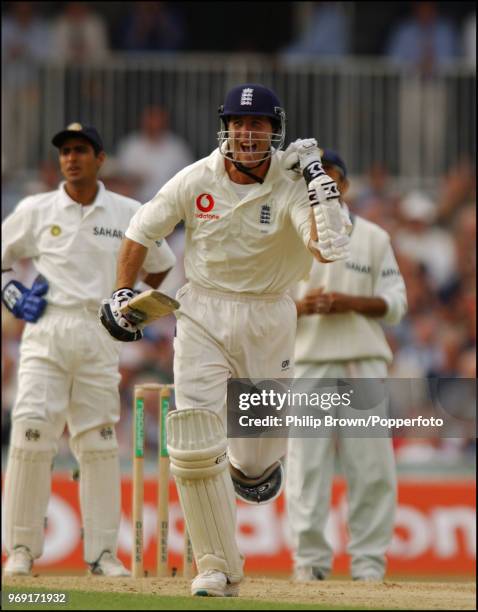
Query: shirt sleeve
158, 217
17, 236
390, 286
159, 257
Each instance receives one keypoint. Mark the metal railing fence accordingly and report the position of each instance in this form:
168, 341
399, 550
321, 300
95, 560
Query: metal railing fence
367, 109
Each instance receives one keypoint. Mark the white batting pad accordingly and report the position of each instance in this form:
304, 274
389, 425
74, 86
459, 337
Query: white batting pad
100, 489
28, 484
197, 449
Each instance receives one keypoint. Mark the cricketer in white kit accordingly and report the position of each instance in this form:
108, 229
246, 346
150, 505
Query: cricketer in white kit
248, 239
339, 335
68, 372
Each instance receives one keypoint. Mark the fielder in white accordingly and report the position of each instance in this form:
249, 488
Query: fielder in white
250, 232
340, 308
68, 371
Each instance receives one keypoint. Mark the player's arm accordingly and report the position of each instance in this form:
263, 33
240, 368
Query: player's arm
150, 223
317, 301
330, 224
314, 240
159, 260
390, 286
154, 280
130, 260
18, 243
388, 302
335, 303
364, 305
139, 306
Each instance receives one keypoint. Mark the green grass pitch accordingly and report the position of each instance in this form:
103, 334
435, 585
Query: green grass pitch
84, 600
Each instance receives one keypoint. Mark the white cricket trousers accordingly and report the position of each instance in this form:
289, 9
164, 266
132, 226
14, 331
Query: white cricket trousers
68, 372
230, 335
368, 465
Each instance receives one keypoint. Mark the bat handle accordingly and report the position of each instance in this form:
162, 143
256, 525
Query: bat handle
135, 316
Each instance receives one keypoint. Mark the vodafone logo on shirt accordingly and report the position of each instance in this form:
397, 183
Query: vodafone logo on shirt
205, 203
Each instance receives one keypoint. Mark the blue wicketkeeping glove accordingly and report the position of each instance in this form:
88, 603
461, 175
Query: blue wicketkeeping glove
26, 304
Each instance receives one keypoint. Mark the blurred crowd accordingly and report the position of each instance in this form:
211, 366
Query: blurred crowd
434, 237
421, 34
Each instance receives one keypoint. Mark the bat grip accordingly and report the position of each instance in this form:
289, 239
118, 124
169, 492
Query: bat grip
136, 317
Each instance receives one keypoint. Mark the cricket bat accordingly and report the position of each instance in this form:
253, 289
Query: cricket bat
149, 306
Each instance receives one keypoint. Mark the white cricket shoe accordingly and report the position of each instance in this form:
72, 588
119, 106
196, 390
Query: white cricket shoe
108, 565
19, 562
307, 573
213, 584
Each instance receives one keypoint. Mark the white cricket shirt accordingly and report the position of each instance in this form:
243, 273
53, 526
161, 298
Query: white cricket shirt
370, 271
75, 247
256, 243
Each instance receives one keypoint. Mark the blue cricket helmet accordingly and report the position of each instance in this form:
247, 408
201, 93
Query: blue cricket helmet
333, 159
253, 99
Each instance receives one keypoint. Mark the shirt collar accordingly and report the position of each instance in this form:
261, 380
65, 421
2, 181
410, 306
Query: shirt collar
98, 202
218, 167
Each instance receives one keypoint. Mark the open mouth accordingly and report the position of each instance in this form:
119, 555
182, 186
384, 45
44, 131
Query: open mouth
248, 148
249, 153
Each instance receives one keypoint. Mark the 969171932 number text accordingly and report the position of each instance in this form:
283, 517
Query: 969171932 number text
32, 598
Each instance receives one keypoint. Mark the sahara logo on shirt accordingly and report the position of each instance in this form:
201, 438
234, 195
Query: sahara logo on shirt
357, 267
55, 230
205, 203
106, 231
390, 272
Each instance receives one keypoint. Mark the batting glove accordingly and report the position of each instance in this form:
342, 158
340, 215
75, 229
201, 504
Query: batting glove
332, 220
117, 324
23, 303
303, 157
300, 155
333, 247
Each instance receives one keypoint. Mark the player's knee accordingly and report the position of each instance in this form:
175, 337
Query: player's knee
101, 439
249, 469
251, 476
260, 489
254, 463
197, 443
33, 435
